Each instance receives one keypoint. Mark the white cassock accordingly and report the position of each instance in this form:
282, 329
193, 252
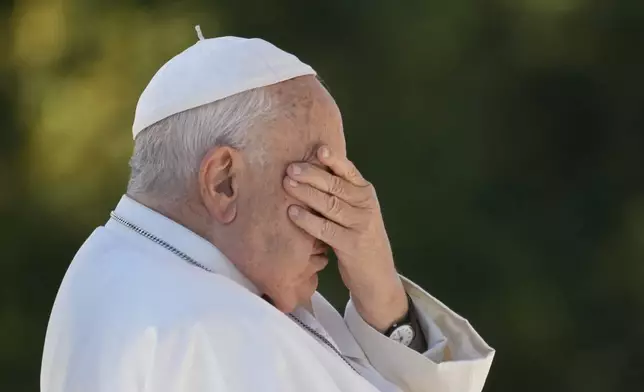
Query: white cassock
132, 316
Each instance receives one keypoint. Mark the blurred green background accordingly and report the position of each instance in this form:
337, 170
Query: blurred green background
505, 138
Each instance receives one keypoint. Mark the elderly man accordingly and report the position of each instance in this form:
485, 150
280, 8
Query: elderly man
204, 278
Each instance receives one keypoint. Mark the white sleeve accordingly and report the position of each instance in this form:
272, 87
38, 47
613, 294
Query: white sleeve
457, 359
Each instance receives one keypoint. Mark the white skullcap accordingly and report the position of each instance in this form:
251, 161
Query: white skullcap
210, 70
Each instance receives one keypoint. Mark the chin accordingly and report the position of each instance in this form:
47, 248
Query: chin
299, 294
307, 289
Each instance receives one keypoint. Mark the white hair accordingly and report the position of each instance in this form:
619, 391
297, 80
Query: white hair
167, 155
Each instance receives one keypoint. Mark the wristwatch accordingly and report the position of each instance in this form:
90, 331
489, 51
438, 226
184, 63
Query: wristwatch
407, 331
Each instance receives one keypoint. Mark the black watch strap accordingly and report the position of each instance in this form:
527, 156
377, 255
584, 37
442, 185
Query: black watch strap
418, 342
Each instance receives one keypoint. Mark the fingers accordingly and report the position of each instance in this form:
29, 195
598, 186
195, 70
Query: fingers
306, 173
329, 205
323, 229
341, 166
343, 198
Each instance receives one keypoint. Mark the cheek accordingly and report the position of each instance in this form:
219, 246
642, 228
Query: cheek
297, 237
286, 245
282, 238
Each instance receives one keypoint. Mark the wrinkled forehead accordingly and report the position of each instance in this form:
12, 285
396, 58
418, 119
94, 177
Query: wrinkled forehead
306, 117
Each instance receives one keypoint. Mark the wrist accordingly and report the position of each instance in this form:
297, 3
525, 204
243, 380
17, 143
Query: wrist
407, 330
383, 310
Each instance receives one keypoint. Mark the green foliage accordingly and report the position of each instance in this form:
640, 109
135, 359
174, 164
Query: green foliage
504, 137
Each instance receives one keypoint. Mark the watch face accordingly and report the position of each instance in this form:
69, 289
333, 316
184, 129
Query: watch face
403, 334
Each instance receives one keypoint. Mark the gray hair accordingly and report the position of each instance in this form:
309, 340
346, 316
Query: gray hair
166, 158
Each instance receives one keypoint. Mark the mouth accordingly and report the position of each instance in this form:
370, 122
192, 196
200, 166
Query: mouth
319, 258
319, 252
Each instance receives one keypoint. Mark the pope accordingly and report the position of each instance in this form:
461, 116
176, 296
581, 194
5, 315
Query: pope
204, 277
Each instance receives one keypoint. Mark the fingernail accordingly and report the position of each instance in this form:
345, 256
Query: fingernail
297, 170
292, 183
293, 211
325, 152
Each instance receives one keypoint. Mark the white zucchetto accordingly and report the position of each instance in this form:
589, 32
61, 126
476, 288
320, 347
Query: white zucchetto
210, 70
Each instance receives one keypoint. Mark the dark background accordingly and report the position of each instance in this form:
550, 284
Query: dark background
505, 139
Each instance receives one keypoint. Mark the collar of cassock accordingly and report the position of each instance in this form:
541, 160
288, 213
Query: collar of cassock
330, 322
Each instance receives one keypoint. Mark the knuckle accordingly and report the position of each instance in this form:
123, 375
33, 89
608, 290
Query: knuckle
336, 186
371, 192
327, 230
311, 192
352, 172
333, 205
367, 196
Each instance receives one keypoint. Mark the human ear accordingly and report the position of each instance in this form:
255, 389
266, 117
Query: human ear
219, 182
